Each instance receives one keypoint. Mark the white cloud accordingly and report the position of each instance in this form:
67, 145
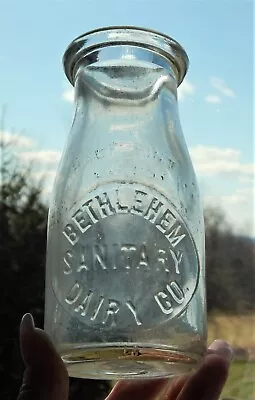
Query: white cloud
45, 175
202, 153
234, 199
239, 209
47, 178
40, 157
68, 95
214, 161
235, 196
213, 99
186, 89
44, 161
221, 85
16, 140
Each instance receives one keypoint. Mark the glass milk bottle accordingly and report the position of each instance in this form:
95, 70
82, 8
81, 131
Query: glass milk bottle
125, 280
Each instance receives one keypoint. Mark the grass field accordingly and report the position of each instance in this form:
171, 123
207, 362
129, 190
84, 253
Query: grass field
241, 381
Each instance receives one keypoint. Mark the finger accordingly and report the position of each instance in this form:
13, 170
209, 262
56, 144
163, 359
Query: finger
45, 377
147, 390
142, 390
218, 347
175, 386
207, 383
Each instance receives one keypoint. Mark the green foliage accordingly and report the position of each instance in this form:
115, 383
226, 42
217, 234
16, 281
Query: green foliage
241, 382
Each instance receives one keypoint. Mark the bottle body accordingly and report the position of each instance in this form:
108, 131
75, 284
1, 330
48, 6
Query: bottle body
125, 254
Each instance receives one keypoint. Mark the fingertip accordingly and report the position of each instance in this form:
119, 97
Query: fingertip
222, 349
209, 379
27, 324
45, 371
27, 333
218, 343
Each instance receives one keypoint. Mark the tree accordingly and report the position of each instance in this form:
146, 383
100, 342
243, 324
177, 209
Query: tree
230, 266
22, 259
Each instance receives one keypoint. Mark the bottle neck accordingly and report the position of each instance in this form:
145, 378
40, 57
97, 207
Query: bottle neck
129, 43
125, 74
127, 54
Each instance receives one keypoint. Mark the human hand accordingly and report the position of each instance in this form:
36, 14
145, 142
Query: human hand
46, 377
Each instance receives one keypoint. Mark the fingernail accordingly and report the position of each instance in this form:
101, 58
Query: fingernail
223, 349
27, 323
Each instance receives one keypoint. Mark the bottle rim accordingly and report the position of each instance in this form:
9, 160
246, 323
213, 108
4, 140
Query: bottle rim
94, 40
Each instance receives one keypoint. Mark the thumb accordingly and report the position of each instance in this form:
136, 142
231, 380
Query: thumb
45, 377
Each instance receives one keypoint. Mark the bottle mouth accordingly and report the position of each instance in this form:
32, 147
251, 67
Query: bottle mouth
87, 48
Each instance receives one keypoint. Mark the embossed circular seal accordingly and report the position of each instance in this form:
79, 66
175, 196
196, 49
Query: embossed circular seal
128, 260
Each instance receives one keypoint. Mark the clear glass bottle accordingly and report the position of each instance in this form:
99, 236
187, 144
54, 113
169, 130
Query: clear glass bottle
125, 280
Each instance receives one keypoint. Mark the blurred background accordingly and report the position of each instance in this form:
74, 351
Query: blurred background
216, 110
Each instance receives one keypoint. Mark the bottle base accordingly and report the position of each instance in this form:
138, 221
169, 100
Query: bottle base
124, 361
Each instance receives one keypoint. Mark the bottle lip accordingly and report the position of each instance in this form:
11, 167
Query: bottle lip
92, 41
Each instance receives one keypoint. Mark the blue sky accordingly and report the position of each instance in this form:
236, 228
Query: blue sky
216, 99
